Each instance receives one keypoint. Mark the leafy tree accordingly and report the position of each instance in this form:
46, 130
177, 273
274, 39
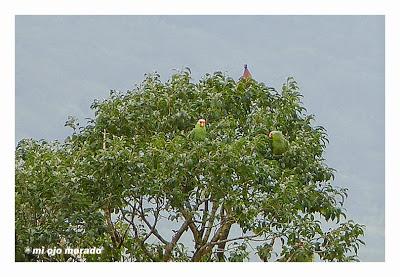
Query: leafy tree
134, 182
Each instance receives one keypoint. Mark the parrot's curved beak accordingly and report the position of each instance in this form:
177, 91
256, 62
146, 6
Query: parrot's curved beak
270, 135
202, 122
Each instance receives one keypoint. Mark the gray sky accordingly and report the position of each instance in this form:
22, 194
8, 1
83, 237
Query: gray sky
64, 62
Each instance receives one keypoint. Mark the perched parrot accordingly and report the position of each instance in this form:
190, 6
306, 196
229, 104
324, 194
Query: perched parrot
246, 73
199, 131
279, 144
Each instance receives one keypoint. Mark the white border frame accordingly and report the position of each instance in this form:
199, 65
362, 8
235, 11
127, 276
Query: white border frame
248, 7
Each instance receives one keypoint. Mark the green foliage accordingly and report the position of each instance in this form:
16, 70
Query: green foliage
239, 253
114, 189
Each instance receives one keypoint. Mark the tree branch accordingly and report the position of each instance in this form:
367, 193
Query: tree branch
223, 236
207, 247
204, 218
153, 230
193, 228
233, 239
115, 237
210, 222
175, 238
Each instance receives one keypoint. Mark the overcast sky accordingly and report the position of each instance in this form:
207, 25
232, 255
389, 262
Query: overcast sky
63, 63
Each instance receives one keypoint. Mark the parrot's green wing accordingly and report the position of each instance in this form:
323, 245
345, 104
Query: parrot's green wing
279, 143
198, 133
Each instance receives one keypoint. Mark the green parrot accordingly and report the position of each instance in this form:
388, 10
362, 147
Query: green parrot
199, 132
279, 144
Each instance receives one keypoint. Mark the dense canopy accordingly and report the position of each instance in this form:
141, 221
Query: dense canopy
135, 182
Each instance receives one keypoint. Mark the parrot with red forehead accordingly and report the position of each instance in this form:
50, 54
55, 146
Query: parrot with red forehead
279, 143
199, 132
